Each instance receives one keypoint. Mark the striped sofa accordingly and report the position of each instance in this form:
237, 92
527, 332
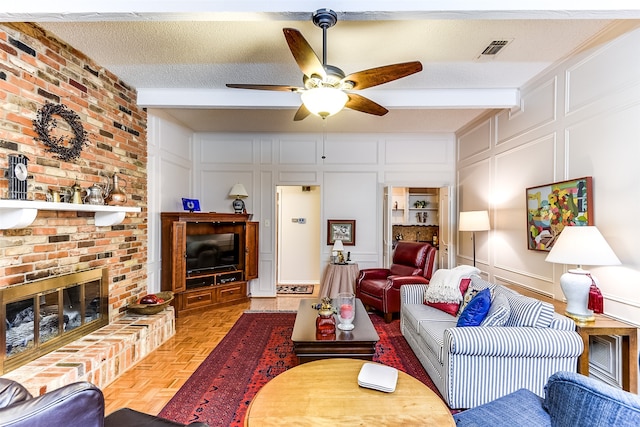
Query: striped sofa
475, 365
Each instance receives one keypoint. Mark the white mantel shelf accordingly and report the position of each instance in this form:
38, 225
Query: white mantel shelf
21, 213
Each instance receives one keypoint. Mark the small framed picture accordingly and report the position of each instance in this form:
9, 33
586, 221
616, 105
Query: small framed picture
341, 229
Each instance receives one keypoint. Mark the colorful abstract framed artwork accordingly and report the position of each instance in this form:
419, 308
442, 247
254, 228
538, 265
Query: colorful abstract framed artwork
552, 207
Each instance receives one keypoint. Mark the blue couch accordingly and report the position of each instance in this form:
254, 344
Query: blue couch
570, 400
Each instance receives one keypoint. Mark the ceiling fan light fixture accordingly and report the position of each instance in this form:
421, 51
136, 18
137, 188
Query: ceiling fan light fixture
324, 101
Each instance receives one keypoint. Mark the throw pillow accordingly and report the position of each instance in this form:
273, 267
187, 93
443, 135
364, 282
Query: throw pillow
477, 284
476, 310
451, 307
498, 312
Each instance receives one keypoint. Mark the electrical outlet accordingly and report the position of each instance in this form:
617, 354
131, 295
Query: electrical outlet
302, 220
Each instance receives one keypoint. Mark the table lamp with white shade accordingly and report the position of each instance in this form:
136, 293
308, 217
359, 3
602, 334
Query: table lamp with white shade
580, 245
474, 221
338, 250
239, 192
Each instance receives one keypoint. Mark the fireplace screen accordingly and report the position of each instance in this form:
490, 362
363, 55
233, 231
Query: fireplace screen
44, 315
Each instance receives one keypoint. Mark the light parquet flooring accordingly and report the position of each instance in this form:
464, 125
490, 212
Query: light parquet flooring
149, 385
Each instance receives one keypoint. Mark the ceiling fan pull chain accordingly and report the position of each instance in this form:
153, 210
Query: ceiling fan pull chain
324, 135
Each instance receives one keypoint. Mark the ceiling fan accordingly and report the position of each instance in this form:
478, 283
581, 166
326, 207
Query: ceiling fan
326, 87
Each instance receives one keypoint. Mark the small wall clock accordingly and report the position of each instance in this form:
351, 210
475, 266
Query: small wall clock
18, 174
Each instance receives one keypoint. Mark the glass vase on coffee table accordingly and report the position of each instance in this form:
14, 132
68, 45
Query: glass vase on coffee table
346, 305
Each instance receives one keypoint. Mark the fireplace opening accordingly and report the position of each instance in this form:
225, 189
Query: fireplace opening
42, 316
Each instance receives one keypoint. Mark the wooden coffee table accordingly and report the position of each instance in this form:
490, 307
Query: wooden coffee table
326, 392
359, 343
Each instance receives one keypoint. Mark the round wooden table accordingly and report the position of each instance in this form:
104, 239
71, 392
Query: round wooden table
326, 392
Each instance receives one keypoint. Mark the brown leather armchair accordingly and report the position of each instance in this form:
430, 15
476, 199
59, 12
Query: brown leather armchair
77, 404
379, 288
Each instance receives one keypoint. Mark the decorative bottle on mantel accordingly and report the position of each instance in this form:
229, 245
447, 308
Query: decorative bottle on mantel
116, 197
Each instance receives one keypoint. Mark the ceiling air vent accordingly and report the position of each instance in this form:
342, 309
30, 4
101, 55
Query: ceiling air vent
494, 47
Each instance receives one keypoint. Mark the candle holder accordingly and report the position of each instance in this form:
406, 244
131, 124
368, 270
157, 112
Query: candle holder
346, 305
325, 322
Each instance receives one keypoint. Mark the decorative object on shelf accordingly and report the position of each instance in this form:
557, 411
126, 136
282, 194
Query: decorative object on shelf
63, 147
552, 207
420, 204
341, 229
346, 303
191, 205
325, 322
73, 194
53, 196
95, 195
338, 252
116, 196
239, 192
474, 221
18, 174
152, 303
582, 245
395, 205
422, 217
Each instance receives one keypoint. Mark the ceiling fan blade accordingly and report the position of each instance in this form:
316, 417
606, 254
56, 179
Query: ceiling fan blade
360, 103
379, 75
301, 114
303, 53
265, 87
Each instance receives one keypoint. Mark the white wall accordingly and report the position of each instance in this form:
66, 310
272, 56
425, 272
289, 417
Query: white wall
170, 165
351, 179
580, 119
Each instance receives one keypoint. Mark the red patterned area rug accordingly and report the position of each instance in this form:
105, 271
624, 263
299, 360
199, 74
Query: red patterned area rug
255, 350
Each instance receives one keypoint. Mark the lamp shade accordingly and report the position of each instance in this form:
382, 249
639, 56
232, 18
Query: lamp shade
238, 191
324, 101
474, 221
582, 245
338, 246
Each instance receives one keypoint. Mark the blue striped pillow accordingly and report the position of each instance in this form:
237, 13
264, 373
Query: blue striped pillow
527, 311
498, 313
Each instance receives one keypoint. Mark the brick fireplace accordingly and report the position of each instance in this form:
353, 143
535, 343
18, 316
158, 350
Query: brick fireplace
42, 316
35, 68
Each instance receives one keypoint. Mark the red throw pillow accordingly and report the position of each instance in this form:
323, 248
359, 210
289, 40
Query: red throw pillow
451, 307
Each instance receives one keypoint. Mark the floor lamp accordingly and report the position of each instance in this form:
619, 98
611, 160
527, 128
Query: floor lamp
474, 221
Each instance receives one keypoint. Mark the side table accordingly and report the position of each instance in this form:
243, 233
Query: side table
339, 278
606, 326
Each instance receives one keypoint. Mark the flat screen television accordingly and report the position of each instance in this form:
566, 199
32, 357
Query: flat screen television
211, 252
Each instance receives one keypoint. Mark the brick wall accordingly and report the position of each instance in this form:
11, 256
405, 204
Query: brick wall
35, 67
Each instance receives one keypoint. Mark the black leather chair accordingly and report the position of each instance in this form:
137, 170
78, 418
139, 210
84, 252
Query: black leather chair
77, 404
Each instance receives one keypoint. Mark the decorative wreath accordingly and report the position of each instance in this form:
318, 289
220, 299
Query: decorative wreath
65, 149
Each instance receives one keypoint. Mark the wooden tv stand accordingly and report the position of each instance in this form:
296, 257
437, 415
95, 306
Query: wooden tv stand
207, 288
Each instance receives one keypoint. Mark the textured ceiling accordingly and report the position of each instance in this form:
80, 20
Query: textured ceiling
181, 62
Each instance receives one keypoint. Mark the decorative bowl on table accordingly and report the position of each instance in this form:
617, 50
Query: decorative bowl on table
141, 307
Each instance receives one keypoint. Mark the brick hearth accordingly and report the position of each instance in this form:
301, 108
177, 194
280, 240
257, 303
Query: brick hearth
99, 357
